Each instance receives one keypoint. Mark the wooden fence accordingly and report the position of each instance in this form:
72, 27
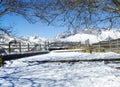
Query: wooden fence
18, 47
63, 45
15, 46
111, 45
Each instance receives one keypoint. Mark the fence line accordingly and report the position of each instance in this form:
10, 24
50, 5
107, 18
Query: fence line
111, 45
18, 47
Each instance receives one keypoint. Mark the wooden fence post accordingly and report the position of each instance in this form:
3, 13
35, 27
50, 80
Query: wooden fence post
28, 47
9, 48
45, 45
80, 43
1, 61
117, 44
110, 45
88, 47
40, 46
48, 44
62, 43
19, 47
99, 46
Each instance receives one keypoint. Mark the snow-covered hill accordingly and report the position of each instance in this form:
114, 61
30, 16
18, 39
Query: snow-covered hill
5, 38
33, 39
94, 35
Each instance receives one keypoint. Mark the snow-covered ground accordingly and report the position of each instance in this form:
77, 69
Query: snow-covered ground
23, 73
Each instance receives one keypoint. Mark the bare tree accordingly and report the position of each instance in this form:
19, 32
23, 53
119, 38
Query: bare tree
7, 30
24, 8
19, 7
81, 13
74, 13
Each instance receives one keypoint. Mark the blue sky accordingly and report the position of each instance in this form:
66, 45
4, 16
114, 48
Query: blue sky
22, 27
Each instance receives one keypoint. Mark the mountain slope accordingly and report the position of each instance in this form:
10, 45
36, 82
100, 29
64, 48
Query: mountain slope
5, 38
94, 35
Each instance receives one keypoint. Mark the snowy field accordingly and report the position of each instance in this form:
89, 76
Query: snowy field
23, 73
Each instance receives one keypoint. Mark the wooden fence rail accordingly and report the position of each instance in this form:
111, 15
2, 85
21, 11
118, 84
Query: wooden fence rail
111, 45
18, 47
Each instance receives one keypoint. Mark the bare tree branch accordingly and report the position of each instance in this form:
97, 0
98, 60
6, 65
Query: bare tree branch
74, 13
